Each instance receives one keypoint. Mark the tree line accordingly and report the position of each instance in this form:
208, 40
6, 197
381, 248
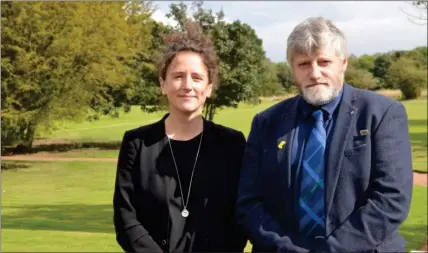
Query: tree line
66, 61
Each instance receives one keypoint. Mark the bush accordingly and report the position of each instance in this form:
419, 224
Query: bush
360, 78
411, 87
410, 78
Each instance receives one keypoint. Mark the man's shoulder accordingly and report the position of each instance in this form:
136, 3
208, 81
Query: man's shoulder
373, 101
368, 96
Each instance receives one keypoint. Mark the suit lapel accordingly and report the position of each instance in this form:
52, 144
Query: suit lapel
284, 143
345, 119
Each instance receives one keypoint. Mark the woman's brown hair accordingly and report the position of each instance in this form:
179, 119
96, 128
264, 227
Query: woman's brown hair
193, 40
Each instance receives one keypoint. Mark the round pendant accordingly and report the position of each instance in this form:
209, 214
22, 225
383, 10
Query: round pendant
185, 213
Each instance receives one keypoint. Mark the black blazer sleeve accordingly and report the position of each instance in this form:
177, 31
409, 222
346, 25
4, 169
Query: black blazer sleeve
130, 233
236, 232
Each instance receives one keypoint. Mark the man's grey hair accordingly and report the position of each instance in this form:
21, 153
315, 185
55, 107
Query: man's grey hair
314, 34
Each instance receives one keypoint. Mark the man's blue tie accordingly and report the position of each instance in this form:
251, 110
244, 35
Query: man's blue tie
311, 202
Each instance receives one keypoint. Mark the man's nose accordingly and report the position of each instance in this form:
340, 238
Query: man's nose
315, 72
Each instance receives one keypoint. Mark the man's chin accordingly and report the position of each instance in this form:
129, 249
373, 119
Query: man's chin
316, 101
318, 95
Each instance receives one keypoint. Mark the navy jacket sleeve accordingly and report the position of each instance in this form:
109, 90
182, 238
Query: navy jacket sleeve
262, 230
388, 200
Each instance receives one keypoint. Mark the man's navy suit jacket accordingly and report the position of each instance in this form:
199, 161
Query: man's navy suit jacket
368, 178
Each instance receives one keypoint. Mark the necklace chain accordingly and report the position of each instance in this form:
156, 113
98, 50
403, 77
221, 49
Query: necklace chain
191, 177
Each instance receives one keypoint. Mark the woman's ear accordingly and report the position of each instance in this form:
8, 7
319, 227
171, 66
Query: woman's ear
209, 90
162, 85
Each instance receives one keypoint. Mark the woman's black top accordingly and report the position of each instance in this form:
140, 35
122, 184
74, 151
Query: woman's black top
147, 198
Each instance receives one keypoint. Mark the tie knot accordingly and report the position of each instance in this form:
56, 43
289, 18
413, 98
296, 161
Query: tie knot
318, 115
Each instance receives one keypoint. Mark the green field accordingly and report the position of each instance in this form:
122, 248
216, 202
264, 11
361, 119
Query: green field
112, 129
417, 114
67, 206
58, 207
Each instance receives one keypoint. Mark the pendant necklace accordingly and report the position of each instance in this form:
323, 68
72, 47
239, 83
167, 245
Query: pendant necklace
185, 213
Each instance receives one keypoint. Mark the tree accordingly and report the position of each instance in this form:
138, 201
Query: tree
61, 60
110, 37
405, 74
421, 6
367, 62
360, 78
179, 13
268, 83
240, 52
381, 68
148, 94
420, 55
36, 86
285, 76
148, 40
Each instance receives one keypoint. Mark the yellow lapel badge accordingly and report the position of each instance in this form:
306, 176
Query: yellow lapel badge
364, 132
281, 144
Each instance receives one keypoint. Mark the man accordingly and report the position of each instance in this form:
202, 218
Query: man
328, 170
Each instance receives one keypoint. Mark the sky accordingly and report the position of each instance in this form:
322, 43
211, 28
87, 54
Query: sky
369, 27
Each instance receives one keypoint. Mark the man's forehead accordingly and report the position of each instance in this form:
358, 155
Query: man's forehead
321, 52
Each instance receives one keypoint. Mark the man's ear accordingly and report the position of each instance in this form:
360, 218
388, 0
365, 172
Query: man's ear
344, 64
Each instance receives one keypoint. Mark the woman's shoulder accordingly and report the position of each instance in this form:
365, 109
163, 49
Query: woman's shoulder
145, 131
226, 133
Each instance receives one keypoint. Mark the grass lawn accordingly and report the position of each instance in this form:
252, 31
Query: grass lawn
67, 206
109, 129
58, 207
112, 129
417, 114
86, 153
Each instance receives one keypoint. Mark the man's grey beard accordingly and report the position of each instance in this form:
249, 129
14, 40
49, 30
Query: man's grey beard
317, 100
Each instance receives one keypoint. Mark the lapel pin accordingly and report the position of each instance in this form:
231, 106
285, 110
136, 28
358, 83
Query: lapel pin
281, 144
364, 132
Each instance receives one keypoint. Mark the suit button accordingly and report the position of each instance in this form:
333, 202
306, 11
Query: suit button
163, 242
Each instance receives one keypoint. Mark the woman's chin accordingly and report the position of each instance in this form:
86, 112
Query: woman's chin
188, 108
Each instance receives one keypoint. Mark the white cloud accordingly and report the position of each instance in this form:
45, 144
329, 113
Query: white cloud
370, 27
159, 15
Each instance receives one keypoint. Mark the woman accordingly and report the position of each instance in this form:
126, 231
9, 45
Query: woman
177, 179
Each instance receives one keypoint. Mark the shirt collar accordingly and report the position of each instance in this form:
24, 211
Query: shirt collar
328, 109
